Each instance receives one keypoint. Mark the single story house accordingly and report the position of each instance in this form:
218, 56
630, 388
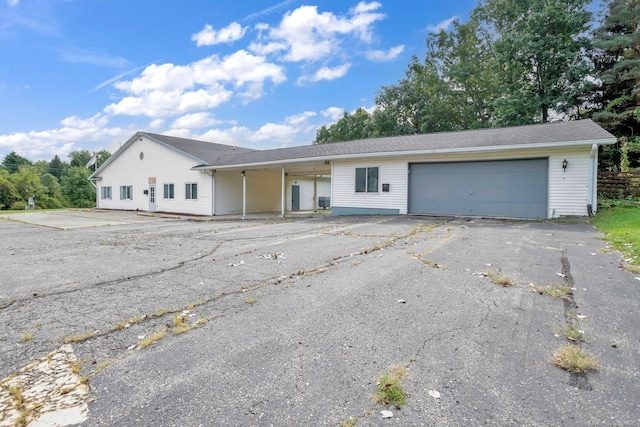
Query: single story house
533, 171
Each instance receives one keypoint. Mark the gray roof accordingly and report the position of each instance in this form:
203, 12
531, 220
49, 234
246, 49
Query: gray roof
560, 133
208, 152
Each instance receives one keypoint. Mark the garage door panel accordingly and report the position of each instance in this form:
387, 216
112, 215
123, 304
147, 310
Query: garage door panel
511, 188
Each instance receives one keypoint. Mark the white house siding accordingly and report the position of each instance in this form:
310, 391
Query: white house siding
568, 191
228, 192
167, 167
264, 191
323, 188
393, 172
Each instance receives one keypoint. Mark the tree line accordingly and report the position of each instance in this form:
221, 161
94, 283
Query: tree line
518, 62
52, 184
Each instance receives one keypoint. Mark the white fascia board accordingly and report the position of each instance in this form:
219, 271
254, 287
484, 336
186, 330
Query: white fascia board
500, 148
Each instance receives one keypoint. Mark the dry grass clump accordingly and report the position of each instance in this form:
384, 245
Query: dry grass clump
573, 359
390, 390
499, 279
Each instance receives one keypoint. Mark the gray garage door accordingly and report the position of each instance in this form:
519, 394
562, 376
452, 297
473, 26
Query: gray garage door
506, 188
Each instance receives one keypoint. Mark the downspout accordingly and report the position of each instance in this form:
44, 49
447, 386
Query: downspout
283, 194
244, 195
593, 180
213, 193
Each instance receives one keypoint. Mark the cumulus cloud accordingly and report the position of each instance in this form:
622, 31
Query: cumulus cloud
333, 113
195, 121
168, 89
209, 37
326, 73
61, 141
382, 55
307, 35
443, 25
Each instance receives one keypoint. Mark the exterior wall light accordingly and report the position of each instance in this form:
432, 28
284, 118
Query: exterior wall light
565, 163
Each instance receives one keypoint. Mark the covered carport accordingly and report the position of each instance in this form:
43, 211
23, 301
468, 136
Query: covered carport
259, 188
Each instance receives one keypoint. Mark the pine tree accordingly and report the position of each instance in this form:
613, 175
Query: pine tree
617, 41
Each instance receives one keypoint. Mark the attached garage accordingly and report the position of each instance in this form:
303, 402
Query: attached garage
504, 188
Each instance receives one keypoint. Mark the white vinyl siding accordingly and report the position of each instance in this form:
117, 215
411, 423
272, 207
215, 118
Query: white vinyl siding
164, 164
392, 172
569, 190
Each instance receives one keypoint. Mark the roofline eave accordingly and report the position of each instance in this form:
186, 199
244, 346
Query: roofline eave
493, 148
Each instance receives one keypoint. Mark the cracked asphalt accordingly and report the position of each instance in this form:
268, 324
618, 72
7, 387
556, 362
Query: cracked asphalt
292, 320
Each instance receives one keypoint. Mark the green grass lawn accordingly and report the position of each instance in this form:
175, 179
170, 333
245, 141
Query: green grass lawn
621, 225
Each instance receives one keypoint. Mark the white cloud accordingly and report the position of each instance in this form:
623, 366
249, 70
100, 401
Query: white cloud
36, 145
13, 3
326, 73
268, 10
195, 121
306, 35
381, 55
168, 89
443, 25
209, 37
333, 113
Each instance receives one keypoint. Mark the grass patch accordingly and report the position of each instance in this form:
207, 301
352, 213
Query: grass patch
252, 300
156, 336
28, 336
620, 224
573, 359
76, 366
573, 334
390, 390
351, 422
101, 366
433, 264
79, 338
162, 312
555, 290
499, 279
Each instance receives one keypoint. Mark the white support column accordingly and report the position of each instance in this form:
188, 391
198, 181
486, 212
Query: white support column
283, 195
244, 195
315, 193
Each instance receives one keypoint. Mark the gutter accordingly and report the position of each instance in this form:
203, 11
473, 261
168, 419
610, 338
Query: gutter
593, 180
473, 150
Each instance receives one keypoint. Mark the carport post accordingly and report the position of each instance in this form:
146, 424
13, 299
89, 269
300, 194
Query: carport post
244, 195
283, 194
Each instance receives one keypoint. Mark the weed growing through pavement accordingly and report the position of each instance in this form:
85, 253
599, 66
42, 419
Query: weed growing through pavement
433, 264
28, 336
101, 366
162, 312
390, 390
499, 279
79, 338
351, 422
571, 333
573, 359
555, 290
18, 399
156, 336
76, 366
252, 300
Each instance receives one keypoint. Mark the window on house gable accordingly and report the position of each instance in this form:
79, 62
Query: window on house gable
191, 191
367, 180
105, 193
168, 191
126, 192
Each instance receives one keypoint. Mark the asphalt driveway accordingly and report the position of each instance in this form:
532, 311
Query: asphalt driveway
289, 322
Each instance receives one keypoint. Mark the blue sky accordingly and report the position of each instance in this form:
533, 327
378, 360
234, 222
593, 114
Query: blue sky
87, 74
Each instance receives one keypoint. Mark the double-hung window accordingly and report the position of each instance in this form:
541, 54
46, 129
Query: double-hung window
105, 192
126, 192
367, 180
191, 191
168, 191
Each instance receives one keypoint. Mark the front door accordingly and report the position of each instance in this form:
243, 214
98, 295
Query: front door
152, 197
295, 197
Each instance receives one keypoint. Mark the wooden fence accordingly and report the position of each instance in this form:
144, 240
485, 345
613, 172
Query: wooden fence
618, 185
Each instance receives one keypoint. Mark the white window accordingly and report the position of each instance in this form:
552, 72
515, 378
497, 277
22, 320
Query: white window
367, 180
191, 191
105, 193
126, 192
168, 191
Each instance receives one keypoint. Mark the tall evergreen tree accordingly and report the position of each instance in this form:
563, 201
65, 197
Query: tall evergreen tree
13, 161
617, 43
